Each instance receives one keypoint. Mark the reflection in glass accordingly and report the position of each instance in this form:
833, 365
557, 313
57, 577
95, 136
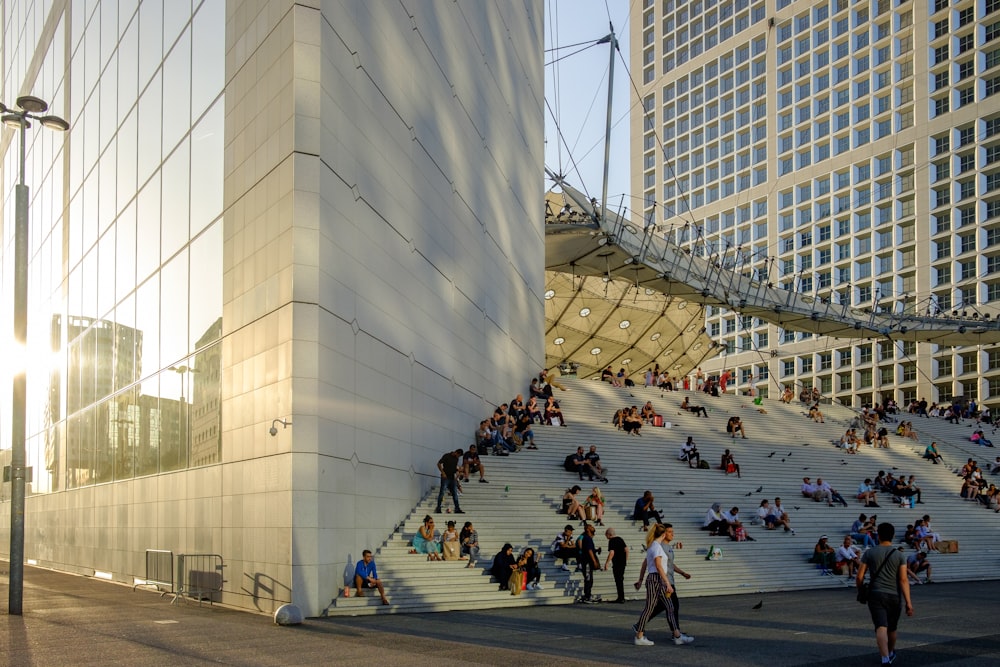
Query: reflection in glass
206, 286
175, 218
173, 303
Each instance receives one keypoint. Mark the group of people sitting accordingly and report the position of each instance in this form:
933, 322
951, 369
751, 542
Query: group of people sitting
821, 491
660, 379
586, 464
450, 544
850, 442
976, 488
902, 489
592, 507
628, 419
619, 379
511, 426
726, 522
516, 572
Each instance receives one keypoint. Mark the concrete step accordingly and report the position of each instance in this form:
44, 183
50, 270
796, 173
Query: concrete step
526, 488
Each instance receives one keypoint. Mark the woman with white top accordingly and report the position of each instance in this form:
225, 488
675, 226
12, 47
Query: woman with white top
660, 592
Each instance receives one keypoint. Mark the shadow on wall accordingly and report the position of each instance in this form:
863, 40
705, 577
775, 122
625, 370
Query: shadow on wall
267, 593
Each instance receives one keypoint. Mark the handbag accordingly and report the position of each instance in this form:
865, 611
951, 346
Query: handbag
451, 550
516, 583
865, 588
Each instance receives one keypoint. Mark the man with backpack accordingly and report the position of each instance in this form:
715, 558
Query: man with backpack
888, 583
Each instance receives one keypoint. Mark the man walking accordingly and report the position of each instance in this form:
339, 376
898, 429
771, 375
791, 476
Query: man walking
448, 465
618, 558
888, 582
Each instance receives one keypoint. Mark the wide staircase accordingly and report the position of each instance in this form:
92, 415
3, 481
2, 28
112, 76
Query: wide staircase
783, 445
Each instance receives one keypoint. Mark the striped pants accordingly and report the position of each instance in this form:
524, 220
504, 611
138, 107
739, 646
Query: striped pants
657, 600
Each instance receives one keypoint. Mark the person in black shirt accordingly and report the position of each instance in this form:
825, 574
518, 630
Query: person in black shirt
588, 561
448, 465
618, 558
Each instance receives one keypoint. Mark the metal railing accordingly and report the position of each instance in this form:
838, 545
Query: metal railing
200, 577
159, 571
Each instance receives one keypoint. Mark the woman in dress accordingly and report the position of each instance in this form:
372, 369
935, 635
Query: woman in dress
596, 500
424, 541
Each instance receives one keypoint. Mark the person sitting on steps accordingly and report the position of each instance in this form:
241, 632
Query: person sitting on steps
644, 510
689, 453
729, 464
695, 409
734, 426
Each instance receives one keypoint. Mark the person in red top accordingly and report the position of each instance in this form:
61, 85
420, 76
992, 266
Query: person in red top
724, 380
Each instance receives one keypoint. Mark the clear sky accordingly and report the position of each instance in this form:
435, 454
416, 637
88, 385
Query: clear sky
576, 94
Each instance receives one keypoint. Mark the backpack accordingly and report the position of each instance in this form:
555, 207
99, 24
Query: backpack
568, 463
714, 553
740, 534
704, 465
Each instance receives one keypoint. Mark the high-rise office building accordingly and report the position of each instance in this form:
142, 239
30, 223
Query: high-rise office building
327, 214
848, 150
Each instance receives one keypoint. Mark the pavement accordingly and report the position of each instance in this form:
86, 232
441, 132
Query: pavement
76, 620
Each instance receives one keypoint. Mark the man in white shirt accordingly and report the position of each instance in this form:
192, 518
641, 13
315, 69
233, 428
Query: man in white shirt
847, 555
689, 453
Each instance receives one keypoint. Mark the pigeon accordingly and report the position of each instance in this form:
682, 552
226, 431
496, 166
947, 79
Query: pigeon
806, 468
805, 444
843, 463
782, 460
759, 489
680, 493
749, 493
795, 507
759, 605
789, 453
771, 454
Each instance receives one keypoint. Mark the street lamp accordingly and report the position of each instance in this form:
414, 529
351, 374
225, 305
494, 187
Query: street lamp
28, 107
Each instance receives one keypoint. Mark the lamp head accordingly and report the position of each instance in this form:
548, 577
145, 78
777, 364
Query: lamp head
32, 104
273, 431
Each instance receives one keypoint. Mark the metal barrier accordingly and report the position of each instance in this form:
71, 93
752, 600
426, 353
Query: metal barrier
159, 571
200, 577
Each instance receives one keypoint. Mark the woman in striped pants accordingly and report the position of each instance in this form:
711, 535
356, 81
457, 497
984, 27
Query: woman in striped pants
660, 594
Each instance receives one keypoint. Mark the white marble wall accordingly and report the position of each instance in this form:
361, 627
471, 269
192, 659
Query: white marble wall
386, 254
383, 270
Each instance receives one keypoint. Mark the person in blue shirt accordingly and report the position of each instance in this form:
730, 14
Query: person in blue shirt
366, 576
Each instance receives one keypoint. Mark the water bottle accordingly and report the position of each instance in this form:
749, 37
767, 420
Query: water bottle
506, 491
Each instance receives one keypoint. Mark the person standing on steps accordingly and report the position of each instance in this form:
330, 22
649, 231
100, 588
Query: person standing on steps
618, 558
889, 590
448, 465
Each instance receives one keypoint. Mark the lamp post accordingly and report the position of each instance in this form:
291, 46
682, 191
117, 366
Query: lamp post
27, 108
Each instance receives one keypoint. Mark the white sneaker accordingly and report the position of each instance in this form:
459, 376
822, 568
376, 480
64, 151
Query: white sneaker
532, 586
642, 641
565, 568
538, 587
683, 639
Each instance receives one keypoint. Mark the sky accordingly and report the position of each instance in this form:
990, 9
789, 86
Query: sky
576, 94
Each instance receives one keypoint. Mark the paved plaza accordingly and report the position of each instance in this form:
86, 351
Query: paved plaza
75, 620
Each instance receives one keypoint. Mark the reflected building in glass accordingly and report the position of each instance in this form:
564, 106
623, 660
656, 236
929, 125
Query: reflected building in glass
326, 216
